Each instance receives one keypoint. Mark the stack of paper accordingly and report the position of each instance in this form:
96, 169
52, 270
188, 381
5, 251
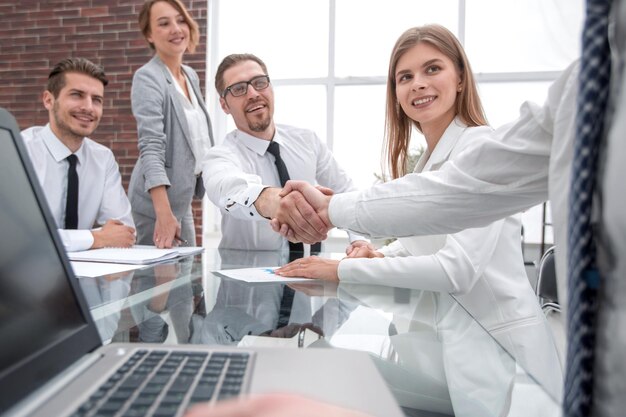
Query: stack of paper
138, 254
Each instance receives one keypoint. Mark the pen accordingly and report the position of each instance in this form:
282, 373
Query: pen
181, 241
301, 337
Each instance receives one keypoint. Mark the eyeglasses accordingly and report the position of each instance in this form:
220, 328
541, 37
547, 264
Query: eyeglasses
260, 82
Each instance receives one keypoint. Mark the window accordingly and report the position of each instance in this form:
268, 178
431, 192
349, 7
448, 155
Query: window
328, 60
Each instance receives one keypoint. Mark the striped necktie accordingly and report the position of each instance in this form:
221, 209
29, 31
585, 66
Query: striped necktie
583, 277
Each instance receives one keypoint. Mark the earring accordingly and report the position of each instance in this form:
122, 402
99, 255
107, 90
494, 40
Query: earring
459, 89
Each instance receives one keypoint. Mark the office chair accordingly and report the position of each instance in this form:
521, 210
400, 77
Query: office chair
546, 288
547, 296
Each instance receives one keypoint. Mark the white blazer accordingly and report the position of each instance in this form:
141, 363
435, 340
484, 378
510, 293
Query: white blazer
482, 267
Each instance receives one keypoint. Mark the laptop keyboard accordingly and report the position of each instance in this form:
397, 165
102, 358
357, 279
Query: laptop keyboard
163, 383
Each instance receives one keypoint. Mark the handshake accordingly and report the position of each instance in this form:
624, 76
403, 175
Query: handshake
298, 212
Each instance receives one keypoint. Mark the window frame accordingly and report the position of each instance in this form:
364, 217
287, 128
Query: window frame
330, 82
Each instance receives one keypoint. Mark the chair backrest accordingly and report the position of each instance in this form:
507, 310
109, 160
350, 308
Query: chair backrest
547, 296
546, 289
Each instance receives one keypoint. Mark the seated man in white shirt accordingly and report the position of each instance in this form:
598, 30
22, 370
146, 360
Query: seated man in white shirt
241, 174
74, 98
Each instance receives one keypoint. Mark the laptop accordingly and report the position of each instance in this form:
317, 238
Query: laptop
53, 363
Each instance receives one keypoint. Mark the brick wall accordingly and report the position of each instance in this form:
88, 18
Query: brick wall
35, 34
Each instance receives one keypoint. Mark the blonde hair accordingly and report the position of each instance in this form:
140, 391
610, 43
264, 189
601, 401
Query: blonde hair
397, 124
144, 21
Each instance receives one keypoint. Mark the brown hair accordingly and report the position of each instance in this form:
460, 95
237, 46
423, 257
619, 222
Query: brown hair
230, 61
56, 78
144, 21
397, 124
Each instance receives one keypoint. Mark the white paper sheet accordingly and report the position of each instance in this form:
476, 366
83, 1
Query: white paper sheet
301, 340
96, 269
259, 275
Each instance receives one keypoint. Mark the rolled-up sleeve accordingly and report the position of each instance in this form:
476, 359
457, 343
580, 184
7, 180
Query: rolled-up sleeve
147, 105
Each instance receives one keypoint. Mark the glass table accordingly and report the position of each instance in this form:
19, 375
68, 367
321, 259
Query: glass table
436, 357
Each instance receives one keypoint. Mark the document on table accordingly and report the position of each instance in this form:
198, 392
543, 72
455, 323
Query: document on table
258, 275
182, 250
138, 254
96, 269
303, 338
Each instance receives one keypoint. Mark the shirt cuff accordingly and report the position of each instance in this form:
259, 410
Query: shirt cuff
347, 270
76, 240
353, 237
393, 249
244, 202
340, 210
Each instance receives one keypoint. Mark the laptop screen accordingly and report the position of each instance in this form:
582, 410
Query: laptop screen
44, 326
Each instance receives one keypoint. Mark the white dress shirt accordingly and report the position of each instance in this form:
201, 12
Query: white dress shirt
101, 196
482, 267
236, 171
502, 173
197, 122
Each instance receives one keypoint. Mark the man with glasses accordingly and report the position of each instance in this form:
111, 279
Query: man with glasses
245, 173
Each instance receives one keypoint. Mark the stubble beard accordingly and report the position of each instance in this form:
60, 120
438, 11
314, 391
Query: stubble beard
65, 129
260, 126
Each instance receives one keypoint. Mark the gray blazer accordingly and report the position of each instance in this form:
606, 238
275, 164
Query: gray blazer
165, 149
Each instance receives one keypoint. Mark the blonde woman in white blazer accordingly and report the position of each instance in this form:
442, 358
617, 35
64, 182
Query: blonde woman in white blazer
431, 87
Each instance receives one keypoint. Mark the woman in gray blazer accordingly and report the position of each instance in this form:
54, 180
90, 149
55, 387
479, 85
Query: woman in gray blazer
173, 125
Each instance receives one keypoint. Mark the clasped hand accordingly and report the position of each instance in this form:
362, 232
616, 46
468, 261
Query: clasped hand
302, 214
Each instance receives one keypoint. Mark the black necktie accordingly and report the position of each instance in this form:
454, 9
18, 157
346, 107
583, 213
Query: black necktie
283, 176
286, 302
71, 204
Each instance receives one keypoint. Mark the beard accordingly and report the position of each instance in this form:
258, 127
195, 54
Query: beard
260, 125
65, 128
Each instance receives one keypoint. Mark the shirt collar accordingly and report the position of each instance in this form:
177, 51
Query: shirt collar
56, 148
253, 143
447, 142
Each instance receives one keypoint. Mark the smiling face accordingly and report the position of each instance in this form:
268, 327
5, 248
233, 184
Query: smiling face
77, 110
427, 84
252, 112
169, 32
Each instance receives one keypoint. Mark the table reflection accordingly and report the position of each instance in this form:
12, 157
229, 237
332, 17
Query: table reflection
176, 302
104, 290
243, 309
438, 356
